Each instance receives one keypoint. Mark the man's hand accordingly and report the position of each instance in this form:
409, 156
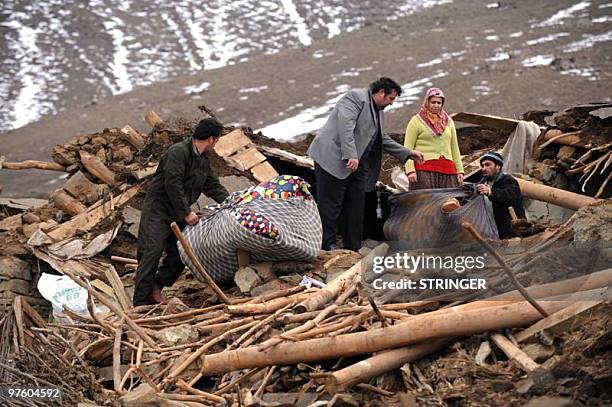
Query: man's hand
352, 164
192, 218
412, 177
460, 178
417, 156
483, 189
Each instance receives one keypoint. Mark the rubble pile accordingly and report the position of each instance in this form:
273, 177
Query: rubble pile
305, 334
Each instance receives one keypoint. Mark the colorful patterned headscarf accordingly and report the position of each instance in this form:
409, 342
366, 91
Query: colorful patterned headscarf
437, 122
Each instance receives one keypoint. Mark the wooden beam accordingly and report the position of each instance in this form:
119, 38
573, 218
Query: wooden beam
493, 122
560, 197
247, 159
555, 319
567, 139
302, 161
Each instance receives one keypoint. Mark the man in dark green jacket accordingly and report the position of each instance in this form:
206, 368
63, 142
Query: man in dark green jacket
182, 175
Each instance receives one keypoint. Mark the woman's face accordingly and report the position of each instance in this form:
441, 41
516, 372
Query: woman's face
435, 104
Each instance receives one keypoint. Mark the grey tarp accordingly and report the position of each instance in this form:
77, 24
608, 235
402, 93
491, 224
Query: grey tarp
417, 218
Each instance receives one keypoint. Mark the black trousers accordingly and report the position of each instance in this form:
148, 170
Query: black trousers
341, 200
155, 237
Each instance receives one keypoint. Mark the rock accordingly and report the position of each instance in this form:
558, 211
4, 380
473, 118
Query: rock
15, 285
543, 377
283, 399
332, 274
547, 401
589, 220
12, 267
293, 279
364, 251
539, 353
175, 306
176, 335
264, 270
30, 218
246, 279
131, 216
603, 113
270, 286
500, 386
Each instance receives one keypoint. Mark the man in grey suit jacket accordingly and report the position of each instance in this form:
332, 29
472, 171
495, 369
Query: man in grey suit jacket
348, 154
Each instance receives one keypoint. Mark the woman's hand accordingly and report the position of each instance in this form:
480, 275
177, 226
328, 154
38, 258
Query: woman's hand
412, 177
460, 178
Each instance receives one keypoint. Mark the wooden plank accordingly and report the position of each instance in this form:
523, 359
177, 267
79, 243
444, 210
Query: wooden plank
64, 201
32, 314
263, 172
247, 159
514, 353
23, 203
493, 122
302, 161
231, 143
553, 320
18, 312
92, 217
117, 284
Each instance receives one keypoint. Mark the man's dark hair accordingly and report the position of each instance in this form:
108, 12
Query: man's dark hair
207, 128
386, 84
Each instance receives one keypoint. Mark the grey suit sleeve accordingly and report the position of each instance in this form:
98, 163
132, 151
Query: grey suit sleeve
395, 149
349, 109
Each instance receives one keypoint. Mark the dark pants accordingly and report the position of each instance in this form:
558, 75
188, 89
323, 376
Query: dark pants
155, 236
344, 200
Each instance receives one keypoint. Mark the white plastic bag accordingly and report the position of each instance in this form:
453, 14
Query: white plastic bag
60, 291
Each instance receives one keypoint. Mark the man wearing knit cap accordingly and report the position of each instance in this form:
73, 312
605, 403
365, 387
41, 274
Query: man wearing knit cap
502, 190
182, 175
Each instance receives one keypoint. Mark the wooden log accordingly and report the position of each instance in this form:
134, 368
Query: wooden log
32, 164
514, 353
64, 201
381, 363
133, 137
302, 161
555, 319
92, 216
493, 122
97, 168
544, 193
117, 359
332, 289
153, 119
266, 307
83, 189
567, 139
411, 331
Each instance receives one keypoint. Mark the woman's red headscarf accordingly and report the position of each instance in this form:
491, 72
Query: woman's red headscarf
437, 122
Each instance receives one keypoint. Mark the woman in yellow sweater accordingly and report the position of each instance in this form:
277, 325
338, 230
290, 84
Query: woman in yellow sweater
432, 132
